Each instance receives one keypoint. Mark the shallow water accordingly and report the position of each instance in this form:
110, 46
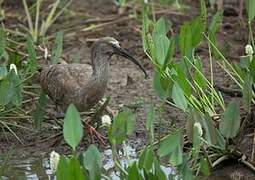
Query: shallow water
30, 168
34, 168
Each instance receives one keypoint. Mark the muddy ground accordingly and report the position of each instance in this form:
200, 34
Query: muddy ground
127, 83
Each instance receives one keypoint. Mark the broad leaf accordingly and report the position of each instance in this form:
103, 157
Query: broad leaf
146, 159
178, 97
230, 121
123, 125
149, 123
204, 167
247, 91
250, 8
3, 72
161, 85
133, 172
162, 45
92, 162
63, 171
161, 27
73, 130
169, 144
39, 112
76, 169
176, 156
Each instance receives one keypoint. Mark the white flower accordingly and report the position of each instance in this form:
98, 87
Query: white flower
145, 1
249, 50
46, 53
54, 159
106, 120
13, 67
198, 126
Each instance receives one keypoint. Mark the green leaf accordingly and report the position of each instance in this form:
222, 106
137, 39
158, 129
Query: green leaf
185, 39
10, 89
32, 62
207, 125
158, 170
169, 144
63, 171
161, 85
57, 51
76, 169
247, 91
149, 122
123, 125
16, 87
162, 45
161, 27
250, 8
230, 121
73, 130
5, 92
133, 172
92, 162
197, 29
221, 142
178, 97
39, 112
3, 72
3, 53
176, 156
216, 22
204, 167
146, 159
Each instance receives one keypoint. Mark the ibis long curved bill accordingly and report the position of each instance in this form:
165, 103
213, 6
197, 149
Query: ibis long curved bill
122, 52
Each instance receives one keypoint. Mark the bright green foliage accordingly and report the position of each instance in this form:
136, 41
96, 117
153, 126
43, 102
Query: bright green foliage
32, 62
172, 146
178, 97
69, 169
250, 8
123, 125
73, 130
230, 121
204, 167
247, 91
39, 112
146, 159
133, 172
92, 162
3, 53
10, 88
149, 123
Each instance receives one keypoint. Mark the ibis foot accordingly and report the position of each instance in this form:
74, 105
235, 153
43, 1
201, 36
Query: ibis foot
92, 131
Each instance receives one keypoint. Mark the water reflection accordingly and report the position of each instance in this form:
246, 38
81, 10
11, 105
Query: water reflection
35, 168
30, 168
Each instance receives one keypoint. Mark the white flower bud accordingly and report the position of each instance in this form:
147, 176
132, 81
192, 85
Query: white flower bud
54, 159
13, 67
249, 50
106, 120
198, 126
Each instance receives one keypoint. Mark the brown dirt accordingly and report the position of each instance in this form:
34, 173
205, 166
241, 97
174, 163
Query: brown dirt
120, 88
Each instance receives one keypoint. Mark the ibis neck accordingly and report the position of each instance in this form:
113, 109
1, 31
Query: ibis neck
100, 68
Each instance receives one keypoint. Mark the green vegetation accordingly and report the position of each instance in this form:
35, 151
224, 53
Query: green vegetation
214, 126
